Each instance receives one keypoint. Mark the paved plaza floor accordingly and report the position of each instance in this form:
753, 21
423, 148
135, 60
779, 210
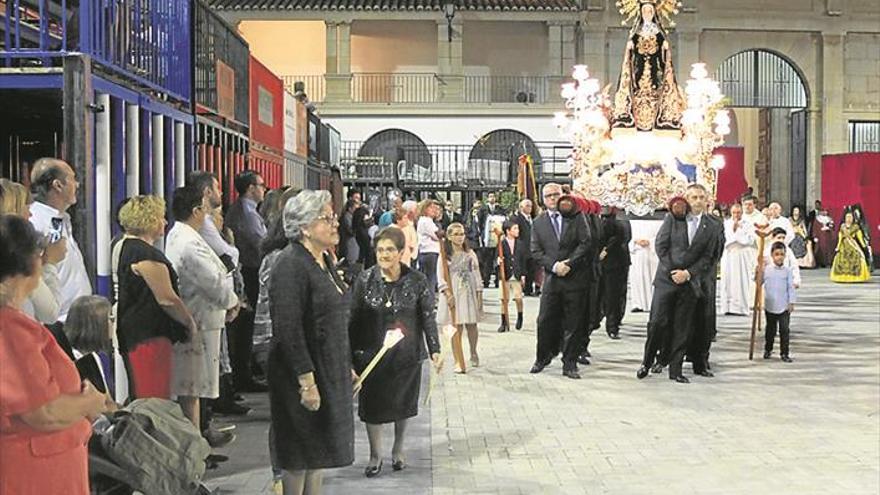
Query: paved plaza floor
758, 427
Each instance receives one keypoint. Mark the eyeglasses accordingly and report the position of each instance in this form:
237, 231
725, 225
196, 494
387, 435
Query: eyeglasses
388, 250
552, 195
331, 219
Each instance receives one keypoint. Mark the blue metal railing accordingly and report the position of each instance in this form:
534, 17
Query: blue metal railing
147, 41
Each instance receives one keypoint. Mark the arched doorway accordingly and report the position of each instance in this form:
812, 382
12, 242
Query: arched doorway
769, 96
493, 158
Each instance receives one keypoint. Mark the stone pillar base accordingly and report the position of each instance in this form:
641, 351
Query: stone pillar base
450, 88
338, 88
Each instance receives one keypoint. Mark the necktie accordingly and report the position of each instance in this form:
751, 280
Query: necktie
557, 227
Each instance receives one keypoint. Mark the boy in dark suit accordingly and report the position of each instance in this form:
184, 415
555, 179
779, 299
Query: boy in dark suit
515, 261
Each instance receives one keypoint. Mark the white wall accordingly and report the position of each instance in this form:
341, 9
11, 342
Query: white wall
445, 130
288, 47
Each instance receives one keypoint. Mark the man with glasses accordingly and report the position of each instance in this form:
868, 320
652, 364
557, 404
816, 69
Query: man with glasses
560, 244
249, 229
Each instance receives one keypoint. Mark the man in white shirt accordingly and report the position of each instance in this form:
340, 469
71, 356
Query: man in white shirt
54, 186
738, 264
212, 198
751, 213
777, 220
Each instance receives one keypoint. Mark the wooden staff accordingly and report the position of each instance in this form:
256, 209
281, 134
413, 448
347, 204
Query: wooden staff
392, 337
444, 266
502, 275
759, 290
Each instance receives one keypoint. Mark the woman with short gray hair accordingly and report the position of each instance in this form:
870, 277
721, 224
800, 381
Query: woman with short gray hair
310, 376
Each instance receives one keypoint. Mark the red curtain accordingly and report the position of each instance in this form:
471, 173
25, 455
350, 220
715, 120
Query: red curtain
849, 179
732, 179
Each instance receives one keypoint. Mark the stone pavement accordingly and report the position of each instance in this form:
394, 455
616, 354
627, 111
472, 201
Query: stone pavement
812, 426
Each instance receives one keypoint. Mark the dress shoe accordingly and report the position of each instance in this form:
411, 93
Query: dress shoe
583, 359
706, 373
657, 368
217, 439
642, 372
539, 366
766, 354
680, 379
571, 373
373, 471
613, 336
398, 465
218, 458
786, 359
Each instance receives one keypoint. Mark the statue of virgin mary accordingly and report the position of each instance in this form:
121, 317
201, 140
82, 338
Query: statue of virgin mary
647, 96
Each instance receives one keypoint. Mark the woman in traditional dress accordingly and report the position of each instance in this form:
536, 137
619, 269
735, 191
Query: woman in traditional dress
850, 264
862, 222
647, 95
801, 245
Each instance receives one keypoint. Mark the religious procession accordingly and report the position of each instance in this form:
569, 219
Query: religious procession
237, 260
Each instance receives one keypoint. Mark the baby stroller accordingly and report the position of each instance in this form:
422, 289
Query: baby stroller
148, 447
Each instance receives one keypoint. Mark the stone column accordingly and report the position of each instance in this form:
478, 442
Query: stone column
338, 76
814, 153
568, 48
450, 63
595, 52
554, 48
833, 123
686, 53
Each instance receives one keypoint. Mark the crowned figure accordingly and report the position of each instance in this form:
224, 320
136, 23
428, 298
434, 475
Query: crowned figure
647, 96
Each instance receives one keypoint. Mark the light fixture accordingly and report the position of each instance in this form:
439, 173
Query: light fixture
449, 12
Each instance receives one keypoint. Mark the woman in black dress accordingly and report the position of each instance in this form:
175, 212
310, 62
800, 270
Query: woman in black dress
390, 296
310, 375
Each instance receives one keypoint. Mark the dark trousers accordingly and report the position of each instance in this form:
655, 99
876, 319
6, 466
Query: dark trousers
241, 338
428, 266
614, 283
780, 320
670, 326
560, 326
487, 263
528, 288
704, 331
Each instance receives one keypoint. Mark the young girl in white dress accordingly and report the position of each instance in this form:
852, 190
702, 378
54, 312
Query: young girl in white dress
462, 293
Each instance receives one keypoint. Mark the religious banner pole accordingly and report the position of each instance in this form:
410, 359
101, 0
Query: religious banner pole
759, 291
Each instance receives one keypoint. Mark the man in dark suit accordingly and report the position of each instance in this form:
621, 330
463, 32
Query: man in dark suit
704, 314
523, 218
561, 244
615, 260
473, 227
592, 305
686, 245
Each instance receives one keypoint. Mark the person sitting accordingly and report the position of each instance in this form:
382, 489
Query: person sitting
45, 409
89, 329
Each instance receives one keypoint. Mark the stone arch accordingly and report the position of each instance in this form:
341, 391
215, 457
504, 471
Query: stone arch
497, 152
394, 145
763, 78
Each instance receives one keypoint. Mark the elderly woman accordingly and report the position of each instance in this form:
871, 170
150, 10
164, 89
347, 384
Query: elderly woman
44, 407
391, 296
151, 317
309, 361
206, 289
43, 301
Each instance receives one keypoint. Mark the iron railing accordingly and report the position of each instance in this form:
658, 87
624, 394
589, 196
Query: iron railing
147, 41
512, 89
452, 166
425, 88
314, 86
394, 88
216, 41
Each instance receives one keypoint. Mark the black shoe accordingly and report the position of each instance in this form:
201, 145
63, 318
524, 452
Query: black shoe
571, 373
613, 336
238, 397
786, 359
217, 458
398, 465
373, 471
642, 372
217, 439
230, 409
539, 366
587, 352
706, 373
680, 379
505, 326
767, 354
583, 359
519, 321
538, 293
637, 310
657, 368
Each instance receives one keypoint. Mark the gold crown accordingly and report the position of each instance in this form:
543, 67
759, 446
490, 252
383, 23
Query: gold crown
665, 9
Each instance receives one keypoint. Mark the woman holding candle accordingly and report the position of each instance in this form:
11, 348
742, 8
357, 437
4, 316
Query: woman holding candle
391, 296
